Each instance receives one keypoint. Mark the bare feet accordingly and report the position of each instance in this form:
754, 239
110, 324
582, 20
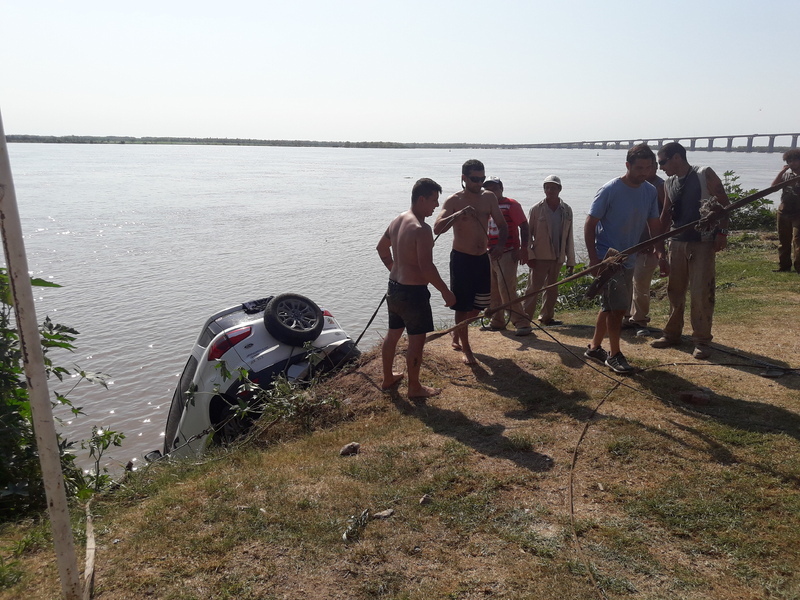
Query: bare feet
390, 383
456, 346
468, 358
423, 392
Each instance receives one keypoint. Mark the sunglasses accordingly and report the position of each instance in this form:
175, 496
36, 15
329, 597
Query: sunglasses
476, 179
661, 163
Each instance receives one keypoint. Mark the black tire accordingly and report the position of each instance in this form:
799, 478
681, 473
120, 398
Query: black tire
293, 319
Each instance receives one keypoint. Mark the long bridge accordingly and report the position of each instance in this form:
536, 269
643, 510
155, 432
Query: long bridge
705, 143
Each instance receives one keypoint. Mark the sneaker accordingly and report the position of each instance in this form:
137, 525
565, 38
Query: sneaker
521, 331
597, 354
619, 364
493, 328
643, 332
701, 352
664, 342
551, 322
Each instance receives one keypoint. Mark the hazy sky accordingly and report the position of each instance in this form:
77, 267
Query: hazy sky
520, 71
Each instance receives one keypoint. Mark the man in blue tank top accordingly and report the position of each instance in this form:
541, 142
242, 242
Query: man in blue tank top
621, 209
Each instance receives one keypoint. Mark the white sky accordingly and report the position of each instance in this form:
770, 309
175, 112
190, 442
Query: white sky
498, 71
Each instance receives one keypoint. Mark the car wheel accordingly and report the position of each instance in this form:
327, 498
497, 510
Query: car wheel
293, 319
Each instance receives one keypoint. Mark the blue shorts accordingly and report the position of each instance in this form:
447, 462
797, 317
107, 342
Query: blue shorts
470, 280
409, 308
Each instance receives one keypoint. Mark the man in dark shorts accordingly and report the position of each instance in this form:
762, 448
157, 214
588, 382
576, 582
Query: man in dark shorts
407, 251
468, 212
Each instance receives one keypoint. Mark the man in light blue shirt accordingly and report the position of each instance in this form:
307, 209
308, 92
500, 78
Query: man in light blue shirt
618, 215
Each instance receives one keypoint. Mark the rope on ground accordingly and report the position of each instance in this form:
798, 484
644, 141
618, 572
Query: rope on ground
571, 487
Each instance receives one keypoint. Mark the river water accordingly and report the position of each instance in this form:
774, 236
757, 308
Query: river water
148, 241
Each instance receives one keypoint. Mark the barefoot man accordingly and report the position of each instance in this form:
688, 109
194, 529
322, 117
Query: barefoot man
468, 212
407, 251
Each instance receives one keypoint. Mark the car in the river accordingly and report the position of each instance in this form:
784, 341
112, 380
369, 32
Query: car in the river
285, 335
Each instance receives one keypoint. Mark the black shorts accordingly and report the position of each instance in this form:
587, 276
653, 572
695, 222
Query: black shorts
470, 280
409, 308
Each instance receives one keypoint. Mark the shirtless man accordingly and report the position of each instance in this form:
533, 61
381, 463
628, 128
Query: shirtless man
468, 212
407, 251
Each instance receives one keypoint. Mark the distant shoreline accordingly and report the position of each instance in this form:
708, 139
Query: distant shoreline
112, 139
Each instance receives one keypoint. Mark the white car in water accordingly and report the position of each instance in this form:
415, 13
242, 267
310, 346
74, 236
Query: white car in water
270, 337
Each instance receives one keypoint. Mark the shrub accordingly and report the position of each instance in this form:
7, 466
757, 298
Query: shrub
21, 486
754, 216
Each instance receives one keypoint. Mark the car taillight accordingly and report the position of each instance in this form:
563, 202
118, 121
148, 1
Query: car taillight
327, 313
228, 341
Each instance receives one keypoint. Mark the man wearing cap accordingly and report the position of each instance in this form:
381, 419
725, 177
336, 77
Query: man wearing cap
468, 212
504, 269
552, 243
617, 216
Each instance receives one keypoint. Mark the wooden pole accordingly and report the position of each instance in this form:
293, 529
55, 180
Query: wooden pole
36, 375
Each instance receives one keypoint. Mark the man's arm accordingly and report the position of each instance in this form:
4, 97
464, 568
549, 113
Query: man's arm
716, 189
589, 236
779, 178
446, 217
384, 249
524, 235
424, 244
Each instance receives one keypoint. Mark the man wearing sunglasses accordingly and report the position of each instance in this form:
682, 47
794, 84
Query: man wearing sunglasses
692, 260
468, 212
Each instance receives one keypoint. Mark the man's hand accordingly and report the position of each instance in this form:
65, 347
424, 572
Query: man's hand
663, 266
449, 298
496, 252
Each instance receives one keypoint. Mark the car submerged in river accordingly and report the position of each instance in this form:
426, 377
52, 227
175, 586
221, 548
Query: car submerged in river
286, 335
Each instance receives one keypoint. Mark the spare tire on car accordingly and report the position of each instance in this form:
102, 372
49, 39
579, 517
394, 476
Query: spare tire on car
293, 319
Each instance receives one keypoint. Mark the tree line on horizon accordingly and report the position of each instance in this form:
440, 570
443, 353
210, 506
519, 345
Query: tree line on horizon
113, 139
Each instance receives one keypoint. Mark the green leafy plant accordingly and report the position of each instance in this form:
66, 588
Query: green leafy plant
571, 295
21, 486
754, 216
102, 439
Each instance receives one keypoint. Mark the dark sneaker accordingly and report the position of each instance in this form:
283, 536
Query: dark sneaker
523, 331
619, 364
597, 354
551, 322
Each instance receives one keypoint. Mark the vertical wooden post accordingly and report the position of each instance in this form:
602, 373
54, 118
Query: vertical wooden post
38, 393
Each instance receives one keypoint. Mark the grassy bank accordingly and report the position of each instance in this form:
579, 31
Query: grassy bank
533, 475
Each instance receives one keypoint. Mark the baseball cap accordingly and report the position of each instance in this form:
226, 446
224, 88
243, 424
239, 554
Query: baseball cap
493, 180
552, 179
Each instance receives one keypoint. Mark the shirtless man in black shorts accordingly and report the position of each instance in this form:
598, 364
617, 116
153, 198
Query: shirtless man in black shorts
467, 212
407, 251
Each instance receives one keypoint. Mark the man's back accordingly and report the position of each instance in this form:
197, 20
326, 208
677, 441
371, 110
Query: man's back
406, 232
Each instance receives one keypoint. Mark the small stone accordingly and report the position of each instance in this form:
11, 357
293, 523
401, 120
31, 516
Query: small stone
426, 499
350, 449
384, 514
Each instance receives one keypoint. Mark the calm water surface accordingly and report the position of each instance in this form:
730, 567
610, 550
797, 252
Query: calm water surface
148, 241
